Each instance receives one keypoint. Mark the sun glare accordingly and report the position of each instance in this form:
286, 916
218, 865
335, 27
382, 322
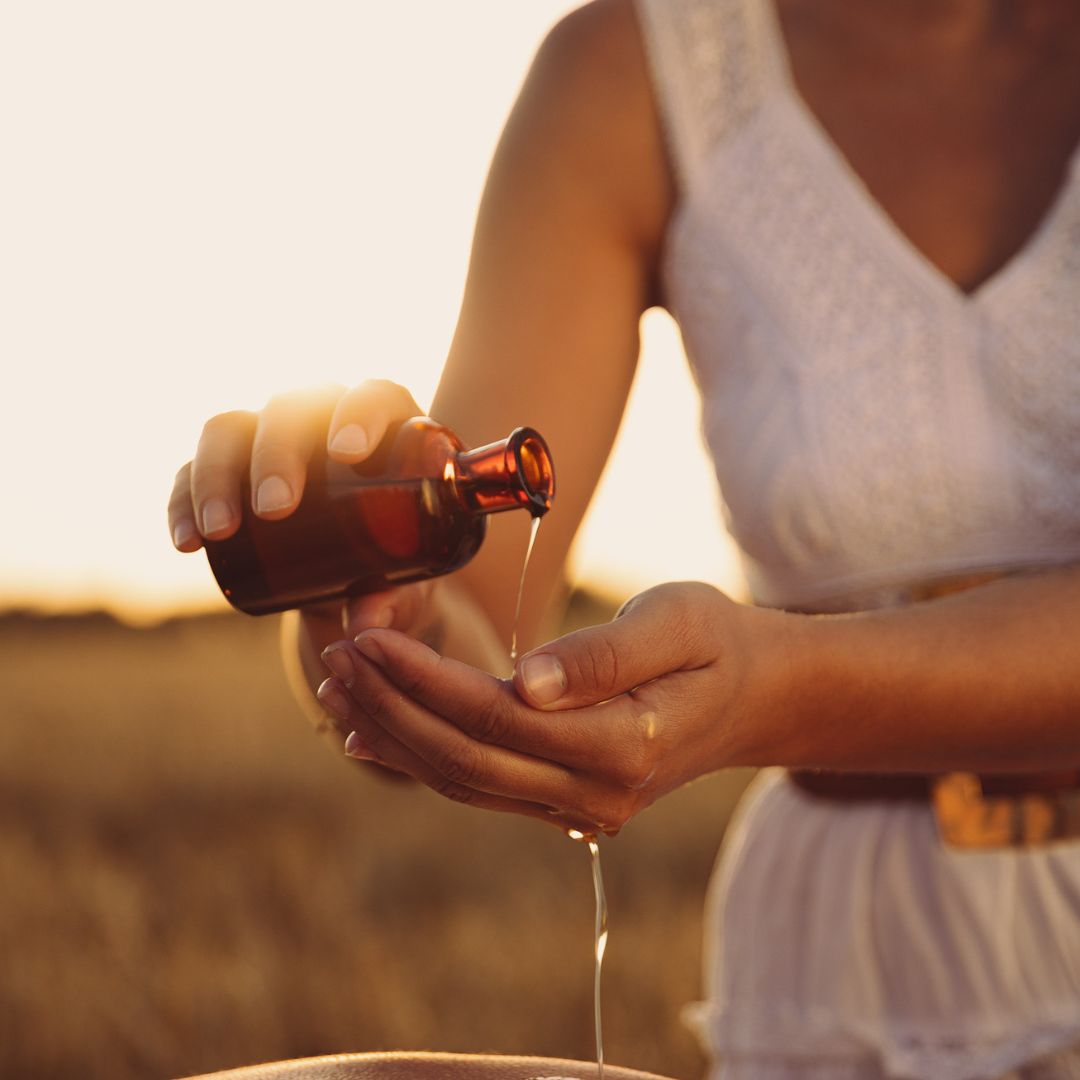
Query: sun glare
210, 203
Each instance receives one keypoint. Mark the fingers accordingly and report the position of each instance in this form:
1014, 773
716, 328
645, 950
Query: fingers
665, 629
182, 527
217, 471
475, 728
369, 741
362, 416
455, 761
271, 450
287, 432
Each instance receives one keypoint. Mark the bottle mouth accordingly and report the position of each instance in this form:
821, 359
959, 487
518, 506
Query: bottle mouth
529, 461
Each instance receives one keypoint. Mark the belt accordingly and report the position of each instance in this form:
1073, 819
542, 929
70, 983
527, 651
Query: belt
972, 811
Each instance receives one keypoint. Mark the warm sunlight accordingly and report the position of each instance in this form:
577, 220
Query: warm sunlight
211, 202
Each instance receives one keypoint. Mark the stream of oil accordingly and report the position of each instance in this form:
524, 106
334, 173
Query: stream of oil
599, 942
600, 928
599, 946
521, 587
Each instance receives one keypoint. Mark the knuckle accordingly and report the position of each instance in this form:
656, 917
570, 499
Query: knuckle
374, 736
306, 401
375, 708
287, 402
488, 723
448, 789
459, 764
600, 664
632, 771
393, 394
213, 477
274, 448
226, 423
617, 812
688, 617
602, 811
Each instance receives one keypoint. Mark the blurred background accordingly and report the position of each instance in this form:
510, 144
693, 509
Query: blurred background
204, 204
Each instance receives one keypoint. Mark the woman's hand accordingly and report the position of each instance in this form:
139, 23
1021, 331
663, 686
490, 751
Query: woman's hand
267, 453
592, 728
271, 449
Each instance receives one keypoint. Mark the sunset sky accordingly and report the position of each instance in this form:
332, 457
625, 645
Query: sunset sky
210, 202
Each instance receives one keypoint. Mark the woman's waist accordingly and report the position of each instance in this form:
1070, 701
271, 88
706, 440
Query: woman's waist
972, 810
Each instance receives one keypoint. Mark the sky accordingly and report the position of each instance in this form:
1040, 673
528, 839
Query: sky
209, 202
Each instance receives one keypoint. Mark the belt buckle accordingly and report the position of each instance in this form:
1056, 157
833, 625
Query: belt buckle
969, 819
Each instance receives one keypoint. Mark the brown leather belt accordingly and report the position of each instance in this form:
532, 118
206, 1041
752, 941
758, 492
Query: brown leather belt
863, 787
972, 811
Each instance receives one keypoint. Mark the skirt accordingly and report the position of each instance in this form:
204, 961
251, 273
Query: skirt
844, 940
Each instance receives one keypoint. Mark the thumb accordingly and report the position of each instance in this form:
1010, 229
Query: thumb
668, 628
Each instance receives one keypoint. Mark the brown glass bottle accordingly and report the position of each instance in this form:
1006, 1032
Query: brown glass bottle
415, 509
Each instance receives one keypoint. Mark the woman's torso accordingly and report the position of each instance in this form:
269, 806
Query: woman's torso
876, 285
873, 424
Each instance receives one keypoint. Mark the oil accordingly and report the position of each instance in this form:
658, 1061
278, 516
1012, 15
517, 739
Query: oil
600, 937
535, 528
600, 929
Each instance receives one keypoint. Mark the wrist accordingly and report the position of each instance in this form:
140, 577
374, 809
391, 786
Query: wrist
780, 702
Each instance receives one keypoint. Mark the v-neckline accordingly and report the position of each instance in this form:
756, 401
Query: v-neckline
901, 243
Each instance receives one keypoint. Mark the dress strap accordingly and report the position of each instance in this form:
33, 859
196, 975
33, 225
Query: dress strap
711, 62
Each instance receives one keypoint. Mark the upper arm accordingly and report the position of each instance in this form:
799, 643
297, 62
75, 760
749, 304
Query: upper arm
562, 267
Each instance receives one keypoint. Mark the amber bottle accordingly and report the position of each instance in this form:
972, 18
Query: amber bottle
416, 508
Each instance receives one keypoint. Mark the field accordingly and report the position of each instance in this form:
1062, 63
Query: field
189, 879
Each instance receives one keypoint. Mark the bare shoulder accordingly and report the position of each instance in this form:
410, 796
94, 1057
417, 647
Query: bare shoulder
590, 94
603, 34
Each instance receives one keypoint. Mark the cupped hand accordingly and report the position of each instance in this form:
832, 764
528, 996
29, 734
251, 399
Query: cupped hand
592, 728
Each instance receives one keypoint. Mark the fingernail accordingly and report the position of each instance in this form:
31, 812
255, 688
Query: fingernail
337, 660
355, 748
273, 494
334, 699
371, 649
185, 530
543, 678
216, 516
351, 439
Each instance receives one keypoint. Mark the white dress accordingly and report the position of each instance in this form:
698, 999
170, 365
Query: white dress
872, 426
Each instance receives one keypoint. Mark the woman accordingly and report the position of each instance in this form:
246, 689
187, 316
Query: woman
865, 219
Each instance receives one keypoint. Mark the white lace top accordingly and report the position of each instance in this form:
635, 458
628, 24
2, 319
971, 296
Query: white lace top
871, 424
872, 427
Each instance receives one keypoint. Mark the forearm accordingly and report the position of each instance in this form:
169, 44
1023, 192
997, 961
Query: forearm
986, 680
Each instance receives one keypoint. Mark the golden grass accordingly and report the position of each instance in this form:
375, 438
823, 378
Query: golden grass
189, 881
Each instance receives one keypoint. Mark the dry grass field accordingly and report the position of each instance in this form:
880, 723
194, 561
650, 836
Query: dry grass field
189, 880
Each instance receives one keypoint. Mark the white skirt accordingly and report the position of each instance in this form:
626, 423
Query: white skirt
844, 940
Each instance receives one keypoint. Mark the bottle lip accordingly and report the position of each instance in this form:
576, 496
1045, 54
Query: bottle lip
528, 459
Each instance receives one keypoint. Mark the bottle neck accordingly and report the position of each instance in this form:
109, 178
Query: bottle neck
516, 471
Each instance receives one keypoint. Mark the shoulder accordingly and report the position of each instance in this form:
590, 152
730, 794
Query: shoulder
596, 55
590, 83
603, 34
